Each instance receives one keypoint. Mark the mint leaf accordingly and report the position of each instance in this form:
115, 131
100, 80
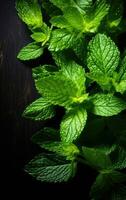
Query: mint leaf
50, 168
44, 135
122, 71
100, 187
62, 39
63, 149
106, 105
50, 9
42, 35
31, 51
40, 109
119, 158
43, 71
71, 70
60, 22
74, 18
96, 158
30, 12
95, 15
115, 14
72, 124
62, 4
57, 89
84, 5
104, 183
103, 55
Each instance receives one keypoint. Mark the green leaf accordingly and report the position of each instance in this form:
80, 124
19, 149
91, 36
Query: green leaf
44, 135
62, 4
104, 184
106, 105
40, 109
38, 36
31, 51
63, 149
50, 9
62, 39
96, 158
57, 89
103, 55
50, 168
71, 70
43, 71
100, 187
115, 13
84, 4
74, 18
119, 158
122, 72
60, 22
72, 124
119, 193
95, 15
30, 12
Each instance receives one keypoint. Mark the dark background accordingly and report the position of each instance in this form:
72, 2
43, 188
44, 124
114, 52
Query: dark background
16, 91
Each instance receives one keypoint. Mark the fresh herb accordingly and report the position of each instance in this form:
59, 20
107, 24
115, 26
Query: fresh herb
88, 80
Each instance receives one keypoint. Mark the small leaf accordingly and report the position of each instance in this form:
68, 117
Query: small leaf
44, 135
103, 55
95, 15
115, 13
30, 12
71, 70
122, 72
72, 124
62, 39
119, 159
74, 17
60, 22
63, 149
43, 71
40, 109
107, 105
50, 168
57, 89
31, 51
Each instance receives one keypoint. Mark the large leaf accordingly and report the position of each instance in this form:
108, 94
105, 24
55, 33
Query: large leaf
72, 124
50, 168
40, 109
103, 55
30, 12
31, 51
107, 105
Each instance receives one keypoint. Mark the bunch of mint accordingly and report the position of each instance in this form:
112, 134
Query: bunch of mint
87, 78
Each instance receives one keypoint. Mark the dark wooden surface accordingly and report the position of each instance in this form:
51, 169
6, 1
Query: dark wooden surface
16, 91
